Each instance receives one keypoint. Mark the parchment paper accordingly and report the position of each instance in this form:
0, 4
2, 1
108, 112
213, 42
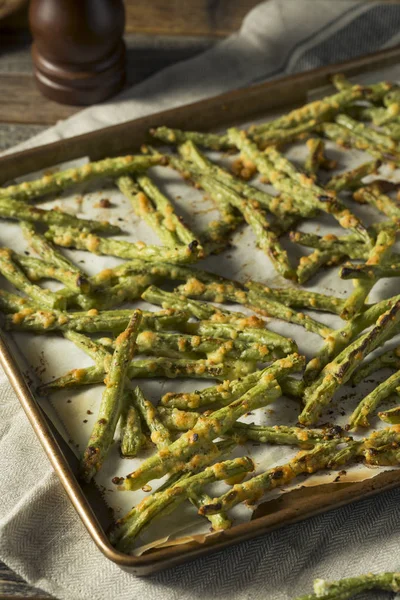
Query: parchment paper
74, 411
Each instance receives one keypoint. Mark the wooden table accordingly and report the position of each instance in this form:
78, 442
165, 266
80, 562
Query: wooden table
159, 33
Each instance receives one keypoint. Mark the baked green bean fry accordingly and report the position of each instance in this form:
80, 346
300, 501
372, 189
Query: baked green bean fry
393, 130
388, 359
241, 332
103, 431
390, 416
36, 270
340, 370
130, 426
379, 140
348, 139
344, 589
223, 394
370, 403
93, 349
309, 265
61, 180
347, 245
180, 420
338, 340
283, 210
200, 310
159, 434
161, 503
285, 177
219, 521
49, 254
128, 288
213, 141
370, 272
352, 180
145, 209
378, 254
375, 449
14, 274
158, 269
298, 298
327, 108
284, 136
315, 157
43, 321
341, 83
372, 194
262, 303
12, 303
150, 204
178, 345
156, 368
266, 239
14, 209
170, 219
215, 238
204, 431
226, 292
82, 240
275, 309
252, 490
292, 297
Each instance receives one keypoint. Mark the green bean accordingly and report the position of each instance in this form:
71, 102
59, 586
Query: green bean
206, 429
352, 180
285, 177
370, 403
49, 254
61, 180
156, 368
362, 287
11, 271
325, 109
176, 136
390, 416
372, 194
161, 503
14, 209
388, 359
159, 434
339, 371
266, 239
103, 431
351, 586
375, 449
81, 240
339, 339
93, 321
130, 426
150, 204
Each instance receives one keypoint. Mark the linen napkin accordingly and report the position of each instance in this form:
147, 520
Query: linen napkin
41, 537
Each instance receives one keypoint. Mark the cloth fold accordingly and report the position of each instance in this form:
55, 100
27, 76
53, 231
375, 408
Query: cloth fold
41, 537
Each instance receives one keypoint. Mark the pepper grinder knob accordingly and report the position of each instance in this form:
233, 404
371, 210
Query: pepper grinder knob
78, 49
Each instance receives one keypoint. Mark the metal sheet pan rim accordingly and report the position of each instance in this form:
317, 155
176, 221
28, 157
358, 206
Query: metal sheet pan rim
22, 162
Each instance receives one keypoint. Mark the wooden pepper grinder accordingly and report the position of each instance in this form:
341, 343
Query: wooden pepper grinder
78, 50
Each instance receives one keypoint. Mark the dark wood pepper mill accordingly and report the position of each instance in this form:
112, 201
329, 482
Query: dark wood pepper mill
78, 50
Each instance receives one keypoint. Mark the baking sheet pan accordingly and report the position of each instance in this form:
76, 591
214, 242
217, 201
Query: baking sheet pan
280, 510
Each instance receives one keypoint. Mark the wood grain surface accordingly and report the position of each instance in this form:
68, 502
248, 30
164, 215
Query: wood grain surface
169, 17
21, 101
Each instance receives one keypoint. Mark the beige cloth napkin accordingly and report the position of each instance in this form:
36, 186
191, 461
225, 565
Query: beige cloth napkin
41, 536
